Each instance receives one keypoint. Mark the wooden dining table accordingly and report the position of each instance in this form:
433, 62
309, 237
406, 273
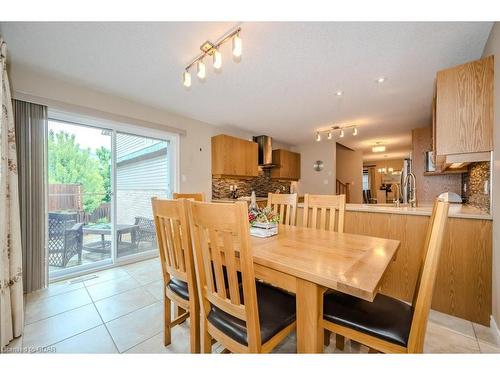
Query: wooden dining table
308, 261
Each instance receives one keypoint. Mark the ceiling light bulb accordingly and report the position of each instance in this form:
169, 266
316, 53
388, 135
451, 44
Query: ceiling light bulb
202, 70
341, 133
380, 79
318, 137
217, 59
186, 78
237, 47
339, 93
329, 135
355, 131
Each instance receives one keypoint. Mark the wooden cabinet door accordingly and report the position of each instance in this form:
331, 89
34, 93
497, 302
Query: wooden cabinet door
287, 165
233, 156
464, 108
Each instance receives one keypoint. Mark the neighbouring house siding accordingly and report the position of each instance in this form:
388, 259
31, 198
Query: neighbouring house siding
140, 176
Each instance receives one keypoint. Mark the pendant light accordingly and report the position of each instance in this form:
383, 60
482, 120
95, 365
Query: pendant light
186, 79
237, 45
217, 59
202, 70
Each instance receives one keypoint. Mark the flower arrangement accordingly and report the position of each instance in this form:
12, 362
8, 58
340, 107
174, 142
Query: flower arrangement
262, 216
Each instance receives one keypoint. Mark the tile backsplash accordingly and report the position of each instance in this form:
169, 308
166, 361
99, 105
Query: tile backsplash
262, 184
473, 185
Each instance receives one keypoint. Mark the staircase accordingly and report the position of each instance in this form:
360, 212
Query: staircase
342, 188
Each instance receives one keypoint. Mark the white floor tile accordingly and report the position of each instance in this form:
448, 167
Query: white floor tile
60, 327
488, 348
112, 287
147, 274
113, 307
53, 290
439, 339
451, 322
96, 340
486, 334
106, 275
156, 289
136, 327
47, 307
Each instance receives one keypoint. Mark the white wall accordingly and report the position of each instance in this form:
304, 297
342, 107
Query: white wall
316, 182
493, 48
195, 145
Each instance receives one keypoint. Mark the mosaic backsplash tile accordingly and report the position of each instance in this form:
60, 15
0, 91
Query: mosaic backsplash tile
474, 181
262, 184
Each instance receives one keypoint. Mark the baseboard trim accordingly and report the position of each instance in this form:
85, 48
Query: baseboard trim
494, 327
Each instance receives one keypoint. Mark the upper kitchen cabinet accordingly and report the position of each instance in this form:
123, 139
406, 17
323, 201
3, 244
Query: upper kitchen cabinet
287, 165
464, 111
234, 157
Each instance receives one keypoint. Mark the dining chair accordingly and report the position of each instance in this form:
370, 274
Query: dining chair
246, 317
326, 206
285, 205
389, 325
176, 256
199, 197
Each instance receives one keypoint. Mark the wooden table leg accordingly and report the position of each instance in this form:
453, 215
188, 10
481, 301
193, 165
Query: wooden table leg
309, 297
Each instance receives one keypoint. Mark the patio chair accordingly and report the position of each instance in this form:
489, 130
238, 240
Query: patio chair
146, 231
65, 239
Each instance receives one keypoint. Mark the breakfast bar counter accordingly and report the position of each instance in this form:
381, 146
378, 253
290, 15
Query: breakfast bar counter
463, 283
456, 210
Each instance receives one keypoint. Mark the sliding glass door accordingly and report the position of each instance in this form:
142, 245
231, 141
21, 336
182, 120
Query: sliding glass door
79, 197
100, 185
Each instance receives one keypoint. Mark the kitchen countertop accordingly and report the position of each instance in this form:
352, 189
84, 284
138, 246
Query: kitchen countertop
456, 210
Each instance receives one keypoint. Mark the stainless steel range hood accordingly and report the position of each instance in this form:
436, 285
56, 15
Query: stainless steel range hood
265, 151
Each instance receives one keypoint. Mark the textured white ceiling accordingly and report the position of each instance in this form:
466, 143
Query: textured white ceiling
285, 84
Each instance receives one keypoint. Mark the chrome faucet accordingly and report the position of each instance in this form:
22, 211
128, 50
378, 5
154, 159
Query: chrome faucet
410, 186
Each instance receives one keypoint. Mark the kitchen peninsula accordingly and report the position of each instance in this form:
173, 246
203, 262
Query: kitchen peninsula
463, 284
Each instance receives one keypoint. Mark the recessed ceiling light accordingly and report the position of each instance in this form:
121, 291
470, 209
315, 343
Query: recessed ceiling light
378, 148
381, 80
339, 93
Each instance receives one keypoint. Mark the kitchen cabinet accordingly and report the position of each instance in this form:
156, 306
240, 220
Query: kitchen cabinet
463, 115
287, 165
233, 156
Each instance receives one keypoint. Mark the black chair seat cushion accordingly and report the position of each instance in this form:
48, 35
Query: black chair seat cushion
179, 287
386, 318
276, 311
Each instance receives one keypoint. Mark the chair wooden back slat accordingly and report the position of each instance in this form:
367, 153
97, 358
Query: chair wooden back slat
220, 284
322, 204
221, 237
198, 197
427, 276
173, 238
231, 269
285, 205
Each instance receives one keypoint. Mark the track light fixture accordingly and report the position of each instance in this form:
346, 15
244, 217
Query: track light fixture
330, 132
213, 49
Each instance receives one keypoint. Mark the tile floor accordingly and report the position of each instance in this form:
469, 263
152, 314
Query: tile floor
120, 311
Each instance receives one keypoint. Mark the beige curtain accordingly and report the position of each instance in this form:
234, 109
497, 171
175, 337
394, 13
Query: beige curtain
30, 124
11, 278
